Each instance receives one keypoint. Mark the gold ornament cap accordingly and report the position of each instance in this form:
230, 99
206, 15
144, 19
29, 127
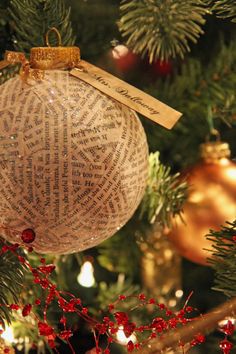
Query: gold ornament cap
48, 58
214, 151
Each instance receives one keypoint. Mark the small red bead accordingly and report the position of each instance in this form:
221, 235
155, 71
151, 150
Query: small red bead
63, 320
121, 318
26, 310
14, 307
5, 248
129, 329
234, 238
21, 259
161, 306
111, 307
47, 269
45, 329
122, 297
51, 343
226, 346
200, 338
84, 311
44, 283
28, 236
66, 334
130, 346
152, 301
228, 328
37, 302
6, 350
189, 309
142, 297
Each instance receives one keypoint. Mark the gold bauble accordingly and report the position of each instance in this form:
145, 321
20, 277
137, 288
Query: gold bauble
160, 267
211, 202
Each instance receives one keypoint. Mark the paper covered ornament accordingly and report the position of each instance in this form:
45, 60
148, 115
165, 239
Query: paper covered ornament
74, 161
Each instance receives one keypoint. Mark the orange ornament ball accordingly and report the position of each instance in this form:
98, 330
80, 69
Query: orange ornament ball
211, 202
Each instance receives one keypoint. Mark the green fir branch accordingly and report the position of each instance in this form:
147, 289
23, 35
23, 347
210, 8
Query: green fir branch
197, 90
11, 280
33, 18
224, 9
164, 195
162, 29
223, 258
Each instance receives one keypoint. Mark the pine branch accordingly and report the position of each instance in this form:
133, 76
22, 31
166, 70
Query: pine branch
8, 73
223, 258
162, 29
164, 195
11, 279
224, 9
197, 90
33, 18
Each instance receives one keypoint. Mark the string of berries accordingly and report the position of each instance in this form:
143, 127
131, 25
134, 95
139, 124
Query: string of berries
163, 319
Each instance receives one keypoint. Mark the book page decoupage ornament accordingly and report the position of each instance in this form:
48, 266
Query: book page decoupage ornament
74, 161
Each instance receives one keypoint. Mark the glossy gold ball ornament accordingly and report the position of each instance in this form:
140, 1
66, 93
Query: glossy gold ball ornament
74, 162
211, 202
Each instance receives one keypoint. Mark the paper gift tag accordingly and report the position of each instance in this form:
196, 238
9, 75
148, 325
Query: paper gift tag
124, 93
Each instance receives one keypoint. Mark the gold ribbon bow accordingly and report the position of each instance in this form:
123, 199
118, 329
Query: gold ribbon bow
26, 72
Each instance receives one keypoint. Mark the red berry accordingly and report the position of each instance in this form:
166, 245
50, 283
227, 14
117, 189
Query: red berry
26, 310
84, 311
121, 318
226, 346
129, 328
28, 236
111, 307
48, 269
66, 334
130, 346
228, 328
14, 307
142, 297
45, 329
122, 297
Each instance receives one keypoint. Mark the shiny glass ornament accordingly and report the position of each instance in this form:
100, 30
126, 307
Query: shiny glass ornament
211, 202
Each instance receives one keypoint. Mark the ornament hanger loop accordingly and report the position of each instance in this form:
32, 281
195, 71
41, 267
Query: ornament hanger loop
214, 133
55, 30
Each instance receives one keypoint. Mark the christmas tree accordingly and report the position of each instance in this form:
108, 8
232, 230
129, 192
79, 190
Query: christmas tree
153, 286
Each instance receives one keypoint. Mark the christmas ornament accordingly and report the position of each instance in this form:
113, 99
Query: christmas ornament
119, 60
161, 267
162, 68
211, 202
73, 161
124, 59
